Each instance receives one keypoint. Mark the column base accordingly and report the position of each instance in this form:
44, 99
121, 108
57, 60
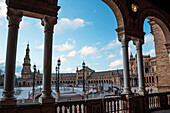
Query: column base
46, 100
8, 98
126, 91
57, 96
141, 91
46, 97
8, 102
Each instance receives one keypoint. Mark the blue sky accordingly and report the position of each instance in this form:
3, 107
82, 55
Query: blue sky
85, 31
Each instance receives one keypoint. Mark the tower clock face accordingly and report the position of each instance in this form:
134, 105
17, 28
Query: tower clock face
134, 7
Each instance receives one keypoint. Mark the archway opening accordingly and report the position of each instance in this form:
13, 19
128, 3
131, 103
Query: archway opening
159, 61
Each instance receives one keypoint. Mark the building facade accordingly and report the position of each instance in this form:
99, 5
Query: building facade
93, 78
150, 70
114, 77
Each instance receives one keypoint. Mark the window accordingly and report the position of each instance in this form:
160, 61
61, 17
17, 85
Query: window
146, 70
152, 70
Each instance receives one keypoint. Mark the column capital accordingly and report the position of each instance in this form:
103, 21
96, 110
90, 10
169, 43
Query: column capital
124, 39
14, 16
48, 22
138, 43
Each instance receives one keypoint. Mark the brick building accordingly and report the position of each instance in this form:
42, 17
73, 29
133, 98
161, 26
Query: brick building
150, 70
114, 77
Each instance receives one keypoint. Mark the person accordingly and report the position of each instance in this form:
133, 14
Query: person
135, 90
82, 97
151, 90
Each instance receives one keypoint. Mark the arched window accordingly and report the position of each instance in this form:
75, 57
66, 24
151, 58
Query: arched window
152, 70
146, 70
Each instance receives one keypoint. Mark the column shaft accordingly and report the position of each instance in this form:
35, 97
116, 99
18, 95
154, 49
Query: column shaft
48, 23
124, 41
138, 44
14, 18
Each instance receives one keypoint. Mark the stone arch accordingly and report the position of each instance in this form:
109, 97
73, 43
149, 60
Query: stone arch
23, 83
117, 12
159, 18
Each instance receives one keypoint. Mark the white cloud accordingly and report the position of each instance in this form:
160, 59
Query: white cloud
116, 63
24, 24
2, 61
62, 59
38, 25
64, 47
96, 57
41, 47
3, 9
131, 48
71, 54
111, 56
88, 50
1, 23
149, 38
93, 64
151, 52
65, 24
99, 57
68, 70
112, 45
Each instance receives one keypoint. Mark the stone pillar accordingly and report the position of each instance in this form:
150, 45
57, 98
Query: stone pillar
124, 41
14, 18
138, 44
48, 23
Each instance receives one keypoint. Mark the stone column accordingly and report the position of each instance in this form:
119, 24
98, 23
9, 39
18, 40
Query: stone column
138, 44
124, 41
48, 23
14, 18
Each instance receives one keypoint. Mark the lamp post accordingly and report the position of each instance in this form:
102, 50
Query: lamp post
58, 80
119, 81
56, 87
33, 88
83, 65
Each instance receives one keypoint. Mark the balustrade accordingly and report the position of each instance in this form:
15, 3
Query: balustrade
159, 100
108, 104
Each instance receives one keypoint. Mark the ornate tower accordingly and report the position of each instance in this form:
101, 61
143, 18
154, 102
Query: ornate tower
26, 65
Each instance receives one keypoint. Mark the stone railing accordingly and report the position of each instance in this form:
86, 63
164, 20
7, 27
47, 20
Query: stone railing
104, 105
159, 101
108, 104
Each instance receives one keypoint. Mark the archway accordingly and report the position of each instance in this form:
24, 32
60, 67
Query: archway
24, 83
160, 31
